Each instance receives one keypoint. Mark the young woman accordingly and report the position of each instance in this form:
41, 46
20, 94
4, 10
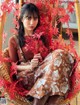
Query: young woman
44, 74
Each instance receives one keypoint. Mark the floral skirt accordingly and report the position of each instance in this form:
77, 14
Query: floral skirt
53, 75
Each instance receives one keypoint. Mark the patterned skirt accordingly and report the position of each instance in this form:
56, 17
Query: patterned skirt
53, 75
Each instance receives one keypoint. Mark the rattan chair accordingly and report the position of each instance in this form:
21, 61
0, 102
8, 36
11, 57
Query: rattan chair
4, 73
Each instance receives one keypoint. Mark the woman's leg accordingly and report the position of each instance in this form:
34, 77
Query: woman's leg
41, 101
56, 100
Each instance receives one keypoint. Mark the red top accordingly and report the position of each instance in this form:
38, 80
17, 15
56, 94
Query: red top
32, 46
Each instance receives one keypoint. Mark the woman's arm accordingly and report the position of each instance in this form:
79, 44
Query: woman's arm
30, 65
25, 66
13, 53
23, 69
12, 45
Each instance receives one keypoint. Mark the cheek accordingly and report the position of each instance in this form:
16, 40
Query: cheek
36, 22
25, 22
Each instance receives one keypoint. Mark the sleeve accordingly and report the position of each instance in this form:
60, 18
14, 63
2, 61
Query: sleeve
13, 49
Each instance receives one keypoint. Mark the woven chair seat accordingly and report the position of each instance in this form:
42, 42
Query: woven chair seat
4, 73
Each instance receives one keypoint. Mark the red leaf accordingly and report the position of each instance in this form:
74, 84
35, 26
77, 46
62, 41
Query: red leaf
65, 19
1, 82
14, 31
4, 37
70, 7
61, 11
54, 12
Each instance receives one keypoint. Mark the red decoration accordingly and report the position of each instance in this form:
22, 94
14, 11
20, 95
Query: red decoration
4, 37
52, 10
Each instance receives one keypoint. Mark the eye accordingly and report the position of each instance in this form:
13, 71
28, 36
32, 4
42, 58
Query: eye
35, 18
29, 17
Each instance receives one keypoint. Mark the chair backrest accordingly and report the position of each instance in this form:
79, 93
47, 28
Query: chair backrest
5, 66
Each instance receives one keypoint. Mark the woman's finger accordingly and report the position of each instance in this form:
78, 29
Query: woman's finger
38, 56
35, 60
21, 74
34, 63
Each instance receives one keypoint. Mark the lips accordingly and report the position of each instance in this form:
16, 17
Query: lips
31, 26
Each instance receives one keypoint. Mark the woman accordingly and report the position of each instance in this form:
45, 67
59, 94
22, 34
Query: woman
43, 73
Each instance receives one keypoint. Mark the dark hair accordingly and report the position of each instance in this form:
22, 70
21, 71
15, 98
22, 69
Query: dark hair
30, 9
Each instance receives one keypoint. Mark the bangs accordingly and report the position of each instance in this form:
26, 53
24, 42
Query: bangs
31, 14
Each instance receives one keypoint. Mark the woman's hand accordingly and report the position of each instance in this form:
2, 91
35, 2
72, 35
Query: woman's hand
24, 68
22, 73
35, 61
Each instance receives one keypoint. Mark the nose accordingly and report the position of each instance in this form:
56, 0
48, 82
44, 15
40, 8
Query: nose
32, 21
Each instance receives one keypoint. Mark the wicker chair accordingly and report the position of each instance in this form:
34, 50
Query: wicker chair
4, 73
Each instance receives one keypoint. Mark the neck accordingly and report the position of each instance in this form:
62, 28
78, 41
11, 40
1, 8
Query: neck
28, 33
